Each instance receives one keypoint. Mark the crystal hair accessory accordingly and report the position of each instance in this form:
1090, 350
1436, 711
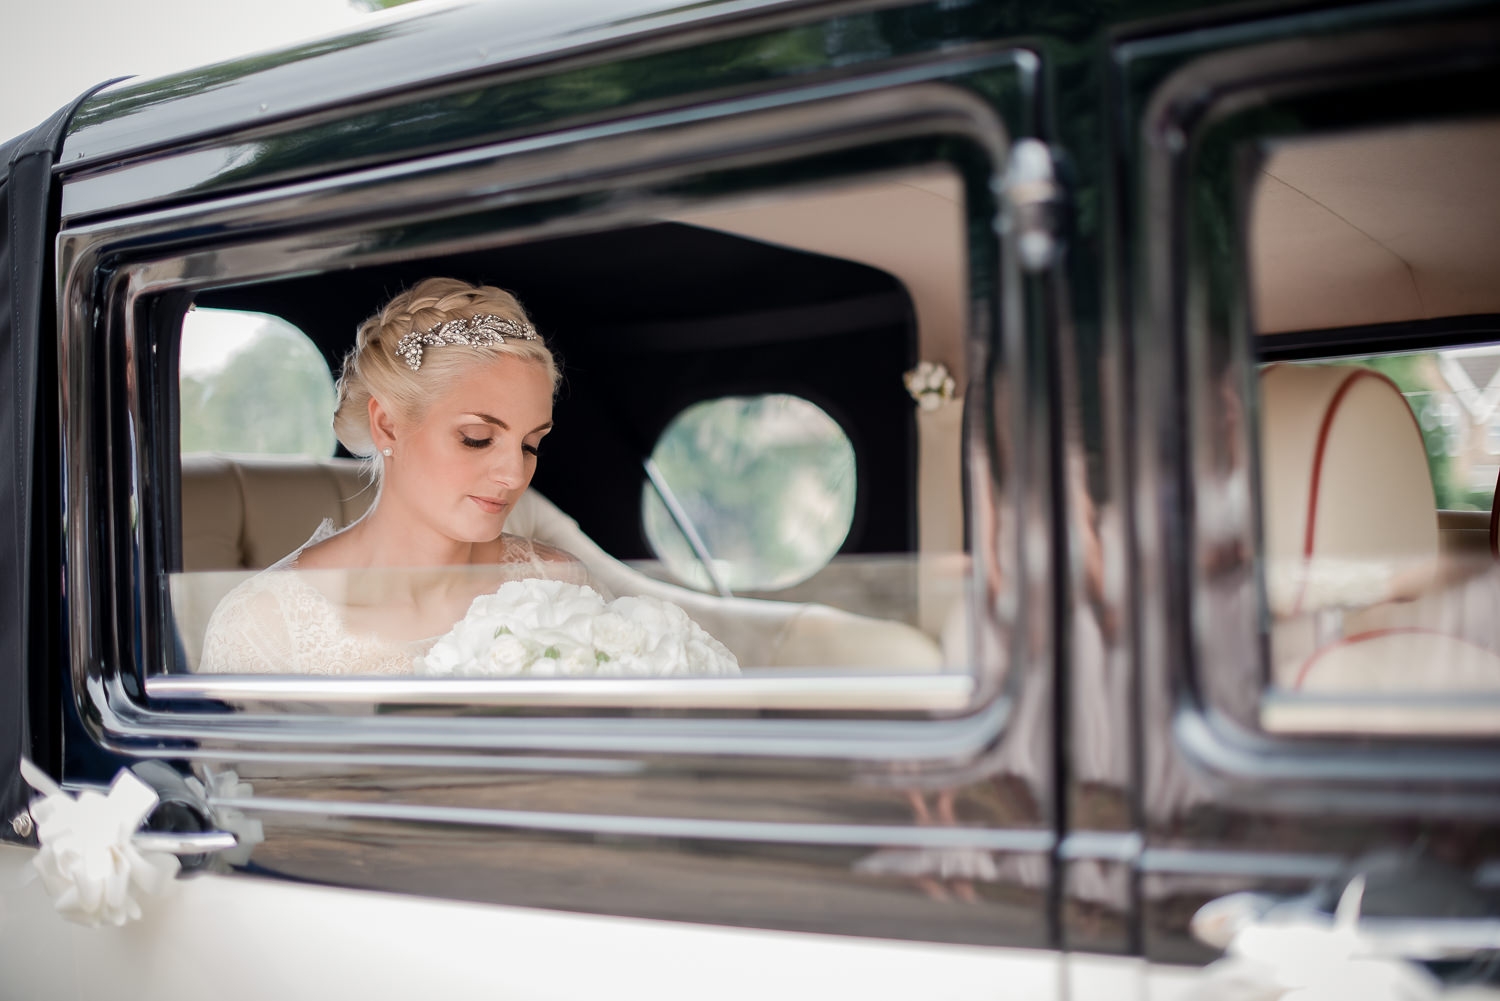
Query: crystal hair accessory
476, 331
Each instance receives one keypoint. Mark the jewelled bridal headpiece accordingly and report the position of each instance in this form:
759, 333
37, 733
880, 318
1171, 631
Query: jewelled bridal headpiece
483, 330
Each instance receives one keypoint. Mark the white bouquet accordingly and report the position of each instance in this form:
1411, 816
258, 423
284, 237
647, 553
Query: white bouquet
550, 628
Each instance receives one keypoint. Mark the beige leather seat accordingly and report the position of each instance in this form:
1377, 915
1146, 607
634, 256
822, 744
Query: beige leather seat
241, 514
1353, 560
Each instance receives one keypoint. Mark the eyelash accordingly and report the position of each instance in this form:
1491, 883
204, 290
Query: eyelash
468, 442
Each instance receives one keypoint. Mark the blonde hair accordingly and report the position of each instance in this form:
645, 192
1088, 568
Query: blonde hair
373, 369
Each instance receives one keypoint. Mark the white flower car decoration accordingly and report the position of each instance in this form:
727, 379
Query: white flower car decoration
88, 862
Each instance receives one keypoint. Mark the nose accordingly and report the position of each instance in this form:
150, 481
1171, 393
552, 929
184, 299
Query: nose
509, 467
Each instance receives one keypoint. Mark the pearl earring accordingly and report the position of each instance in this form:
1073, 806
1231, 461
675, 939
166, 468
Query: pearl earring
386, 452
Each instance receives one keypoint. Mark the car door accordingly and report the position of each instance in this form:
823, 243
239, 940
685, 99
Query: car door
859, 826
1317, 800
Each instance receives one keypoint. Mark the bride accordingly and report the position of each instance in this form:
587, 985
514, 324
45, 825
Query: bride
448, 392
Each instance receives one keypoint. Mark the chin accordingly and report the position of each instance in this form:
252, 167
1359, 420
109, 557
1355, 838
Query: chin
478, 530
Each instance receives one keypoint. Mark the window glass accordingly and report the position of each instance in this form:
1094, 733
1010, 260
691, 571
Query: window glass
1377, 468
1458, 418
828, 562
762, 487
252, 383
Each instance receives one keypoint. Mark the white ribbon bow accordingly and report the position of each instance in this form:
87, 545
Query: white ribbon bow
87, 861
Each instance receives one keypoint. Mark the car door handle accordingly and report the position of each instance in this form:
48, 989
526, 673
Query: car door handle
184, 842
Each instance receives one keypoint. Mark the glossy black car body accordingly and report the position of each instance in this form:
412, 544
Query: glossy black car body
323, 166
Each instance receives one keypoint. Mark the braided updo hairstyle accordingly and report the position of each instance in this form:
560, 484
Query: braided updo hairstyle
372, 367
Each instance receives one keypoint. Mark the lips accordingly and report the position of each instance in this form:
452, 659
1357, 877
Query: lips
489, 505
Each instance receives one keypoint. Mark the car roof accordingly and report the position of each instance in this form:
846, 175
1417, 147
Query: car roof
398, 50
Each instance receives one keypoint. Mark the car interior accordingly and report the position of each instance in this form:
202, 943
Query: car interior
1375, 260
829, 294
1370, 244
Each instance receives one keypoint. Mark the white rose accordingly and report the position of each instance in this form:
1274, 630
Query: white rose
443, 659
617, 636
507, 654
647, 613
578, 660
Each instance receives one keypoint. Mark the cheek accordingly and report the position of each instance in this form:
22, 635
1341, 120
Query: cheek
435, 465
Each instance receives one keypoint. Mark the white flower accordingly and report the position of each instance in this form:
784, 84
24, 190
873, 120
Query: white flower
930, 385
506, 654
578, 660
87, 862
542, 628
616, 636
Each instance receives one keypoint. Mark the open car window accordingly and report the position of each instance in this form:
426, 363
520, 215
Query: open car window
1373, 260
812, 550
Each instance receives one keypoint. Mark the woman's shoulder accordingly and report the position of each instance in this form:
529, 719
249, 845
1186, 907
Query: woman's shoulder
518, 546
322, 551
539, 559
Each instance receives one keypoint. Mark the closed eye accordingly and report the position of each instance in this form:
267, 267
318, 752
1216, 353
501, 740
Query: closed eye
474, 442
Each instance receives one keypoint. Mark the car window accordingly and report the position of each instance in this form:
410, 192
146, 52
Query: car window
749, 493
1453, 394
252, 383
689, 372
1374, 259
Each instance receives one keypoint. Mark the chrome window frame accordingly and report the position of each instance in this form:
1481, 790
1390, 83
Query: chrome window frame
1192, 474
112, 270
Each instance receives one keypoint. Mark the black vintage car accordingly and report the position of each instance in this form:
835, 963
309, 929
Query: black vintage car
1081, 423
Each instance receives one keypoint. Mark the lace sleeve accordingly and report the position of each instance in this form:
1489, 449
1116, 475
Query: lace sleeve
248, 633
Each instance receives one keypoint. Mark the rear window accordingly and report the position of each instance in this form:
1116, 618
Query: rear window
252, 383
749, 492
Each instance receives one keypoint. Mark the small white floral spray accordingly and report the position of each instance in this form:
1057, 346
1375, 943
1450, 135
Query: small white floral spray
930, 385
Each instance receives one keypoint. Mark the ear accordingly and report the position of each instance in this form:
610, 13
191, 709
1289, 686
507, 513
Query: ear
382, 425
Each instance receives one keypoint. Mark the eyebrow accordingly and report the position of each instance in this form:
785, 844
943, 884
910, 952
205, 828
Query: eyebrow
506, 427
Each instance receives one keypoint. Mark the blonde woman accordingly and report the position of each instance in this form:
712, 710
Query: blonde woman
448, 392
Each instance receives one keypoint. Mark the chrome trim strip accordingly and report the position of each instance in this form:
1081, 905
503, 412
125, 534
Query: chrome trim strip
1266, 865
174, 843
1037, 841
908, 693
1113, 846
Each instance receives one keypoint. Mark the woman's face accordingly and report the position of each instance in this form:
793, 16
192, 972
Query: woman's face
462, 467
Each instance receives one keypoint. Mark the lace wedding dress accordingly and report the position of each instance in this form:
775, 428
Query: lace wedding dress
278, 622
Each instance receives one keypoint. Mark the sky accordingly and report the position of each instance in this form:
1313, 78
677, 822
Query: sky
59, 48
210, 337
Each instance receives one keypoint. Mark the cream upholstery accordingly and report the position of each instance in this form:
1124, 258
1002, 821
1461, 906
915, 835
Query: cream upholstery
1398, 660
1352, 532
246, 512
1377, 226
242, 514
1349, 507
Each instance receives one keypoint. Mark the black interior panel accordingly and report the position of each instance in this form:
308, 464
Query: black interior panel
649, 320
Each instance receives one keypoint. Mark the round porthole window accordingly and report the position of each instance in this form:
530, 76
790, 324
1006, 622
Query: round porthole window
252, 383
760, 488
